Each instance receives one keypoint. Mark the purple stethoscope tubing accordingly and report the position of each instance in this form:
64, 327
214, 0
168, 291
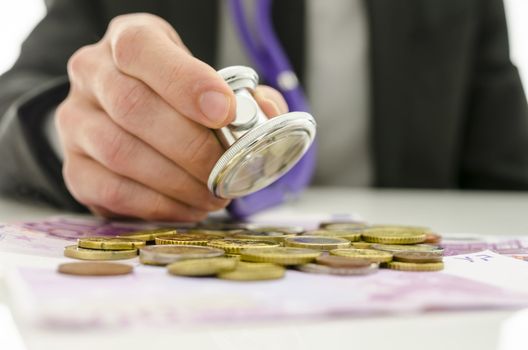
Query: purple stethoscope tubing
272, 63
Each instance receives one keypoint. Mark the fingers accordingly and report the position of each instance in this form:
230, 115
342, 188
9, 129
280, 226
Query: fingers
93, 133
139, 110
270, 101
189, 85
97, 187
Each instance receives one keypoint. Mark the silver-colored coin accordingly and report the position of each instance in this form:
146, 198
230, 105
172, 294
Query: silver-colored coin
166, 254
340, 271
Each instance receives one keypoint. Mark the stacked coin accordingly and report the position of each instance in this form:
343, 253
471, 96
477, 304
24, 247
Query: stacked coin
104, 248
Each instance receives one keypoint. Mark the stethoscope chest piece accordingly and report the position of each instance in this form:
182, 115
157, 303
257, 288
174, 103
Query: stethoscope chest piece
259, 150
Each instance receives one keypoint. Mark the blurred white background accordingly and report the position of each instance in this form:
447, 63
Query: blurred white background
18, 17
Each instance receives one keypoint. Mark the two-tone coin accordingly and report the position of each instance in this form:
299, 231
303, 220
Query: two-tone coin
317, 242
340, 271
166, 254
94, 269
110, 243
392, 248
407, 266
245, 271
280, 255
418, 257
75, 252
375, 256
202, 267
235, 246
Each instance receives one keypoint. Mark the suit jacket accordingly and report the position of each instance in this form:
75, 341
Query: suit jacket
448, 109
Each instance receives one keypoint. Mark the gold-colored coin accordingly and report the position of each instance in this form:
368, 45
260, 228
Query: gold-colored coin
233, 256
350, 235
280, 255
94, 268
375, 256
253, 272
235, 246
393, 236
342, 225
166, 254
110, 243
148, 235
289, 230
202, 267
185, 239
418, 257
75, 252
361, 245
215, 234
317, 242
405, 266
273, 236
392, 248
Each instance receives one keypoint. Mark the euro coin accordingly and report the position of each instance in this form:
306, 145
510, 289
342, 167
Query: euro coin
185, 239
346, 234
361, 245
75, 252
202, 267
253, 272
342, 225
375, 256
94, 269
110, 243
289, 230
392, 236
235, 246
340, 271
148, 235
418, 257
274, 236
408, 228
341, 261
406, 266
317, 242
392, 248
280, 255
432, 238
166, 254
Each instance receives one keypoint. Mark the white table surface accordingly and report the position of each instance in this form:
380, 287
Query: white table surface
446, 211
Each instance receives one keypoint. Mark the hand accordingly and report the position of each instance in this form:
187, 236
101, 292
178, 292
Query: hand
135, 125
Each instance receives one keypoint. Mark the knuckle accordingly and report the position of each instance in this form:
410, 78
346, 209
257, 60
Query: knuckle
127, 43
78, 61
69, 174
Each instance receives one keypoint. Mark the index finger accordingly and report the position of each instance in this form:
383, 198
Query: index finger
189, 85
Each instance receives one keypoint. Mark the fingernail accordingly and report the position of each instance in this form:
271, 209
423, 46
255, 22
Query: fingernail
215, 106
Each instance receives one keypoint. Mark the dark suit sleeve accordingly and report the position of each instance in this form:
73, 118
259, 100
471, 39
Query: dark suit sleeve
34, 86
496, 141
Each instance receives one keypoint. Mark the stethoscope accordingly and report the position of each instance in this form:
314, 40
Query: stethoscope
266, 160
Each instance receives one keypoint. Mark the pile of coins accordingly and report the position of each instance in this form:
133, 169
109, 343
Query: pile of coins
256, 252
